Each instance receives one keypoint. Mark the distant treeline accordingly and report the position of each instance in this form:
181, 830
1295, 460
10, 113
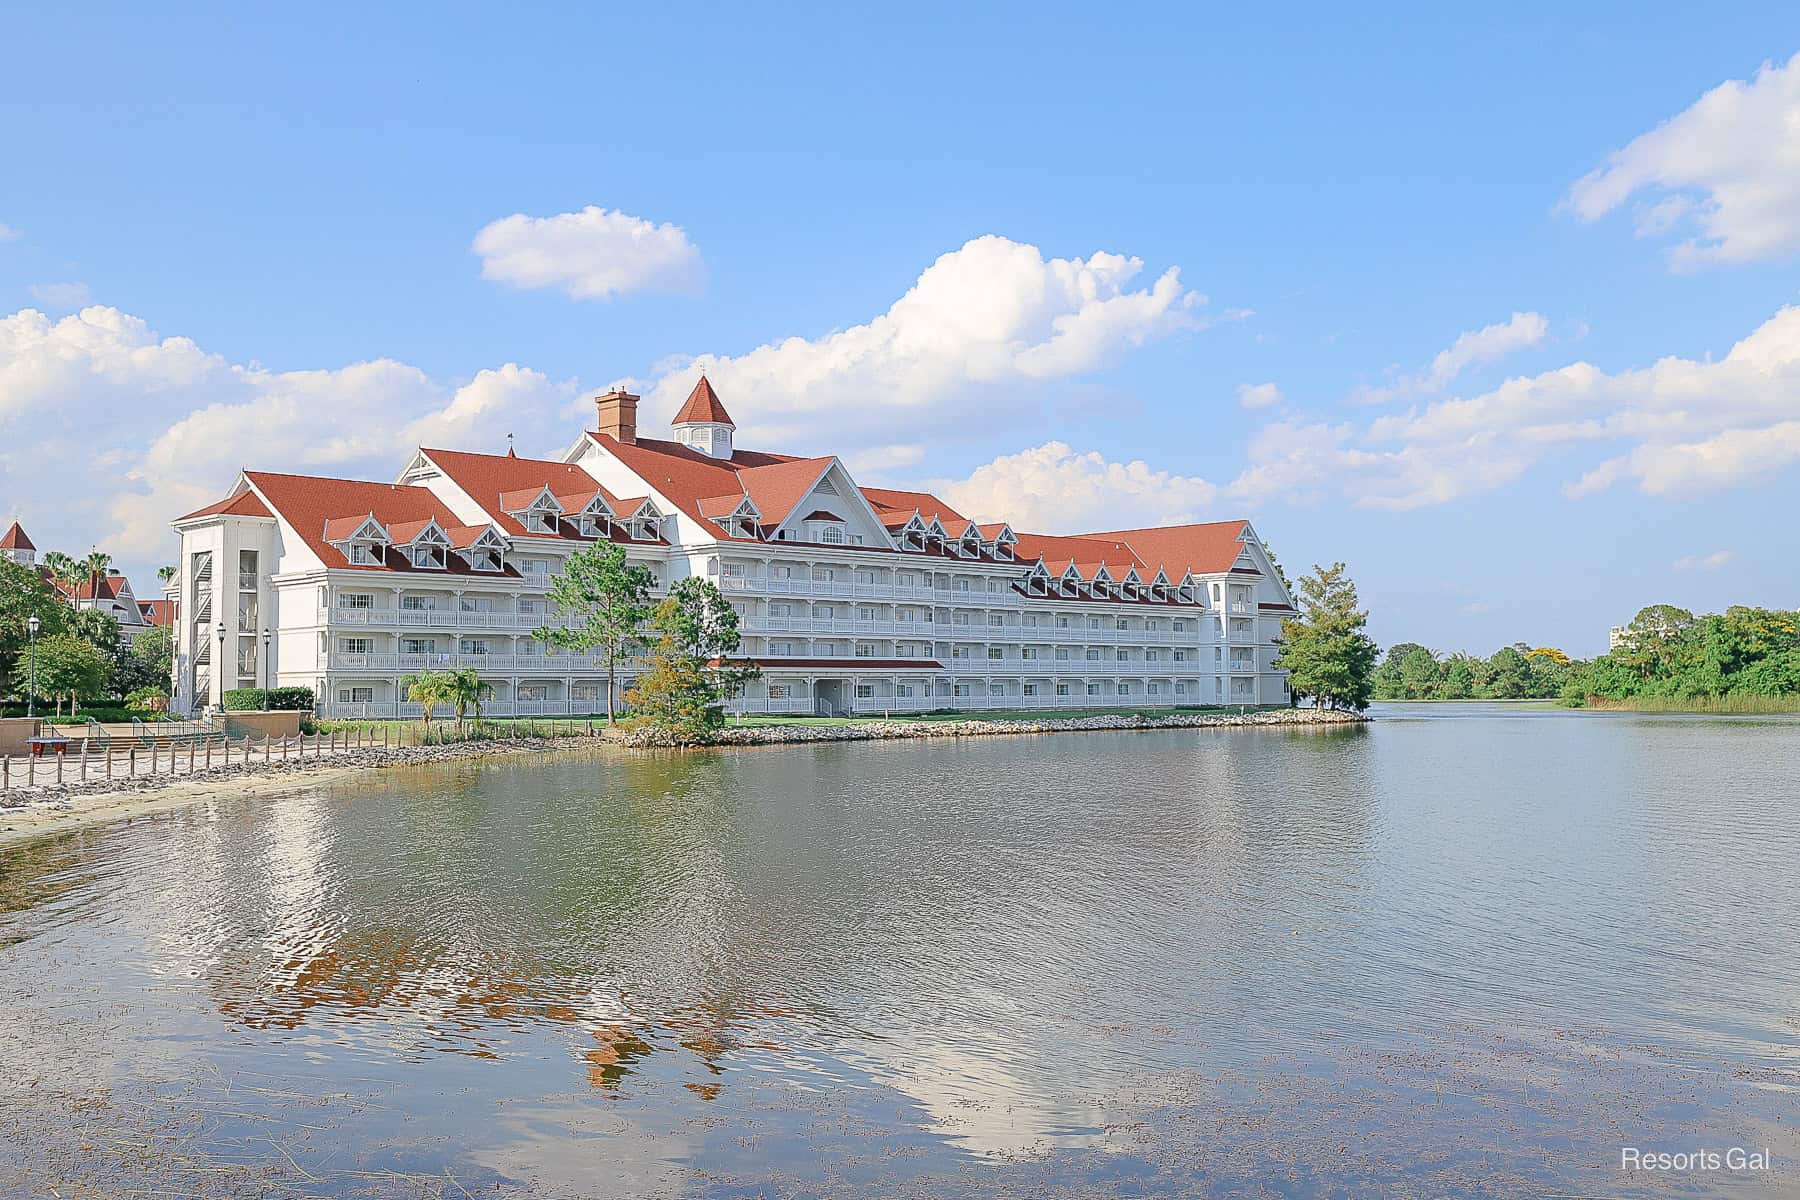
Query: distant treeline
1667, 658
1516, 672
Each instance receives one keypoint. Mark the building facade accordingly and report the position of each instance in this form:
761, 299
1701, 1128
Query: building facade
852, 599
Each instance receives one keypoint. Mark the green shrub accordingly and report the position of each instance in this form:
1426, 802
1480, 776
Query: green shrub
283, 699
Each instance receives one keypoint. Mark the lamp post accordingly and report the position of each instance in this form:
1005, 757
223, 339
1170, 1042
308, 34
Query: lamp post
220, 673
267, 668
32, 625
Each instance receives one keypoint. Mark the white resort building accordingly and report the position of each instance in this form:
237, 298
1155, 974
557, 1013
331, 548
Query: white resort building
852, 599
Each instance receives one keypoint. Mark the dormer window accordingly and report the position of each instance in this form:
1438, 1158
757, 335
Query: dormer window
365, 554
831, 535
429, 558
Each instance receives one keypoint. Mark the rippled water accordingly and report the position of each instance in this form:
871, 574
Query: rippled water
1470, 950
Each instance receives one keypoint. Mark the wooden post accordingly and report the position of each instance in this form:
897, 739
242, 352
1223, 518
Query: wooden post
131, 762
30, 769
192, 750
109, 762
6, 773
60, 755
209, 753
265, 749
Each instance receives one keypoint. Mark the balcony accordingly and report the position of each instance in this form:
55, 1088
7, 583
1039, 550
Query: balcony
248, 581
542, 664
431, 618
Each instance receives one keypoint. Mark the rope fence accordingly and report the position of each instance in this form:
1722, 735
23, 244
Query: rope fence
187, 755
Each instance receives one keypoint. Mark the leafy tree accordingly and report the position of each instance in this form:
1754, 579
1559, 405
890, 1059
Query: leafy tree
94, 568
24, 594
1653, 639
1389, 685
65, 572
1459, 678
1420, 674
67, 667
1509, 675
603, 600
164, 574
691, 672
1326, 651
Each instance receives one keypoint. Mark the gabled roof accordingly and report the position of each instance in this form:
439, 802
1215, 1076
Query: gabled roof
244, 504
157, 612
902, 504
703, 405
309, 503
778, 487
684, 475
1206, 549
14, 539
504, 484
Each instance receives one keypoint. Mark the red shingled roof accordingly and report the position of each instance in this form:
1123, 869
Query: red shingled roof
703, 404
14, 539
498, 482
309, 503
157, 612
1206, 549
901, 504
686, 476
244, 504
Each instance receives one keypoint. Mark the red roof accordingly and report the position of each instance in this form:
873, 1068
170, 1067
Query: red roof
819, 514
687, 476
499, 482
158, 612
14, 539
92, 587
1206, 549
244, 504
309, 503
703, 405
902, 504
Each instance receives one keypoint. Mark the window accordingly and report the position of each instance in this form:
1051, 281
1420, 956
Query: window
1152, 656
778, 691
1181, 689
1093, 689
865, 649
1121, 624
995, 653
1093, 623
1062, 622
865, 614
996, 619
424, 556
962, 585
1031, 689
782, 648
1152, 689
534, 691
584, 693
418, 603
473, 646
903, 690
865, 691
831, 535
417, 646
357, 645
356, 695
1180, 656
1180, 626
1062, 654
1028, 652
1124, 689
1062, 689
355, 600
477, 604
823, 575
856, 539
1093, 654
993, 585
963, 691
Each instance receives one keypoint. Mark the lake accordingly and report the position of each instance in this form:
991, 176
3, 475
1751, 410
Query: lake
1467, 950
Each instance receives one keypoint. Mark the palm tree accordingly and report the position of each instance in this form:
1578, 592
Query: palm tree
462, 689
94, 568
65, 573
165, 573
427, 691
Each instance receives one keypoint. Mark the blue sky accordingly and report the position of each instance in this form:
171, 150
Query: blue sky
249, 239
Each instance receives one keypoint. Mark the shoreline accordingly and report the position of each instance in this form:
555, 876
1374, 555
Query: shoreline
77, 806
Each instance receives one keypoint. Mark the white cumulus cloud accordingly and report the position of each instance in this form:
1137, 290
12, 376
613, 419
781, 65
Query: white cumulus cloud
1473, 348
152, 426
1054, 489
990, 315
593, 254
1258, 395
1726, 169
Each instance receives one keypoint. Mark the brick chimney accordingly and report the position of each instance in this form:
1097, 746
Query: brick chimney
618, 414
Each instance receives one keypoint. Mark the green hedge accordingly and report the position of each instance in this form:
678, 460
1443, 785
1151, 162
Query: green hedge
281, 698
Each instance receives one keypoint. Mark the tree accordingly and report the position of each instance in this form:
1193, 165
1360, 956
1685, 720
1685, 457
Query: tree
427, 690
462, 691
1653, 640
1325, 650
1388, 683
1420, 674
164, 574
23, 595
1509, 674
66, 667
94, 568
691, 672
603, 600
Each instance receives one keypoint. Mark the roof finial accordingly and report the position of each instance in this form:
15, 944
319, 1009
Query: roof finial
509, 447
